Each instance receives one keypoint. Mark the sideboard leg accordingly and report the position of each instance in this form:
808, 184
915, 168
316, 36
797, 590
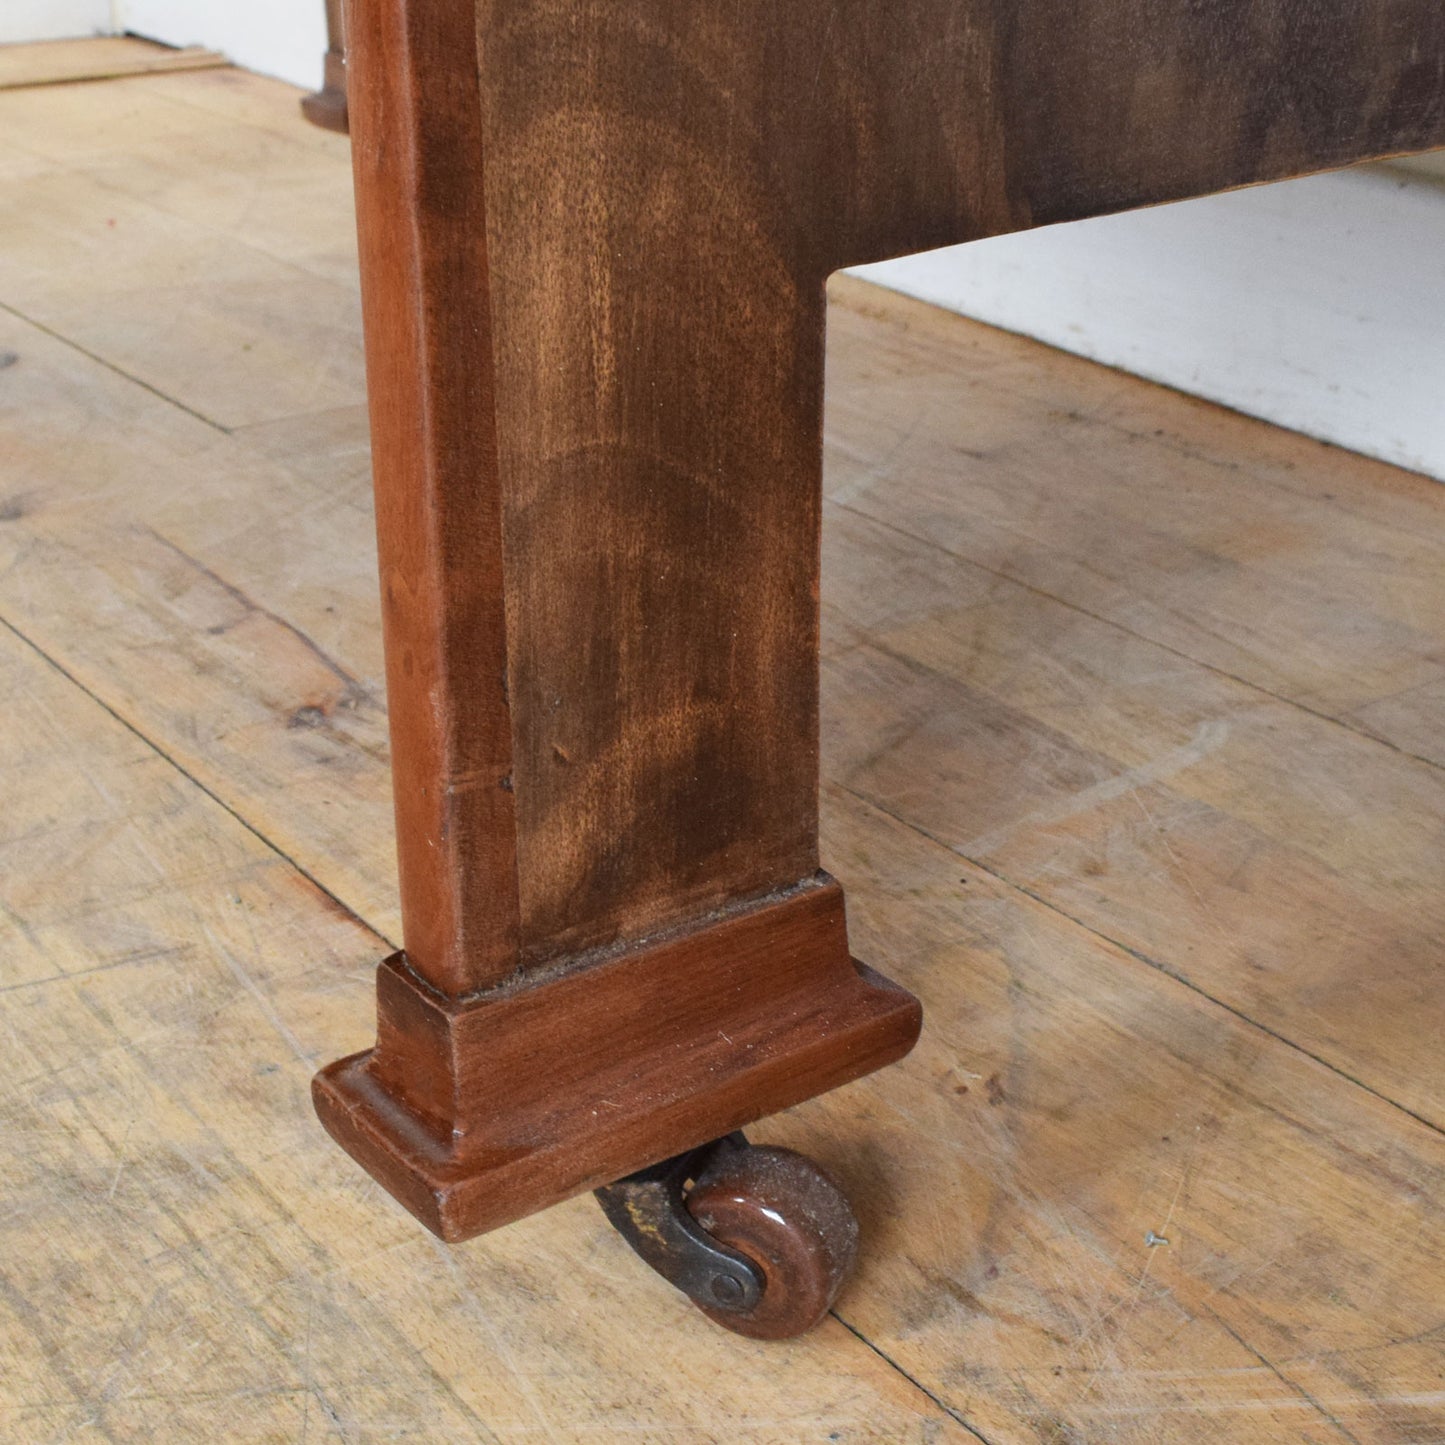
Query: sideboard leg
596, 425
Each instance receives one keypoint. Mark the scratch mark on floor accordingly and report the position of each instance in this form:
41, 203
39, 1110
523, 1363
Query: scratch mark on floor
1208, 737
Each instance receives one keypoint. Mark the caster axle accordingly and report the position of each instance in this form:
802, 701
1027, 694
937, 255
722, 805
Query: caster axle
647, 1209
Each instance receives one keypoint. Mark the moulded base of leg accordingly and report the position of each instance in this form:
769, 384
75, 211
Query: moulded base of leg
476, 1112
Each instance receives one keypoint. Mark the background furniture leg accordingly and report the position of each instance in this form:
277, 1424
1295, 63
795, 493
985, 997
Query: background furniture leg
327, 107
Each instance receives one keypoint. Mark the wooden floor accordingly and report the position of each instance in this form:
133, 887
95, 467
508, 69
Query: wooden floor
1135, 728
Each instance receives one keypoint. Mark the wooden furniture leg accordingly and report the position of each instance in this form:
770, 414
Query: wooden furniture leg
327, 108
598, 497
595, 236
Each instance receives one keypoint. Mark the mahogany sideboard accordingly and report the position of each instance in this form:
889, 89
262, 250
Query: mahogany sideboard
595, 236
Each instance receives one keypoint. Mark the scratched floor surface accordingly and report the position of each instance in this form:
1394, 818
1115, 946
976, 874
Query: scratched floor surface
1134, 749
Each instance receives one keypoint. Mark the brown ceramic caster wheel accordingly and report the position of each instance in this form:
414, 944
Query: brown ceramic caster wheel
792, 1220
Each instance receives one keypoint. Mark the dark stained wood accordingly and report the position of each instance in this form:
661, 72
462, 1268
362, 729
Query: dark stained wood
327, 108
667, 188
474, 1112
422, 232
595, 236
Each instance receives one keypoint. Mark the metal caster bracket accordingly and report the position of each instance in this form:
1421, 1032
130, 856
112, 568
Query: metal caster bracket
648, 1210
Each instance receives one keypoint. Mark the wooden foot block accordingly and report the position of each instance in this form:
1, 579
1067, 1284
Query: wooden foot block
474, 1112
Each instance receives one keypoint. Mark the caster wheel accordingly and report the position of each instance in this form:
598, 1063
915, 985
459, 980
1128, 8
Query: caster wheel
788, 1216
759, 1239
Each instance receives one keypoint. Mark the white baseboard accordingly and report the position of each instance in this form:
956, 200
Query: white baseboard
1318, 304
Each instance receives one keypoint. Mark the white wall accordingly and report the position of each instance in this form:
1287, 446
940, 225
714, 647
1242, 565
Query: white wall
53, 19
1318, 304
285, 38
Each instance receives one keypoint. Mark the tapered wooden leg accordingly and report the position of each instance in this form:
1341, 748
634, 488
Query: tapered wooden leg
327, 107
597, 454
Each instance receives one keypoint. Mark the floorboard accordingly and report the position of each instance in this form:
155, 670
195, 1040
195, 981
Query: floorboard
1132, 770
101, 57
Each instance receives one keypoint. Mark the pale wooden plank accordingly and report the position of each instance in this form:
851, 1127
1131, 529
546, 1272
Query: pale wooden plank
218, 269
125, 518
1307, 1201
186, 1253
100, 57
1065, 1101
1410, 719
282, 188
1197, 528
243, 98
1278, 861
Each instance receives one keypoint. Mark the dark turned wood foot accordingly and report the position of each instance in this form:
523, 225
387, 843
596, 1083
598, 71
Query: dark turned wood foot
474, 1112
327, 107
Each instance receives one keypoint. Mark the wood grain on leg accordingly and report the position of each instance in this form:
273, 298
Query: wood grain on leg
601, 624
595, 237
